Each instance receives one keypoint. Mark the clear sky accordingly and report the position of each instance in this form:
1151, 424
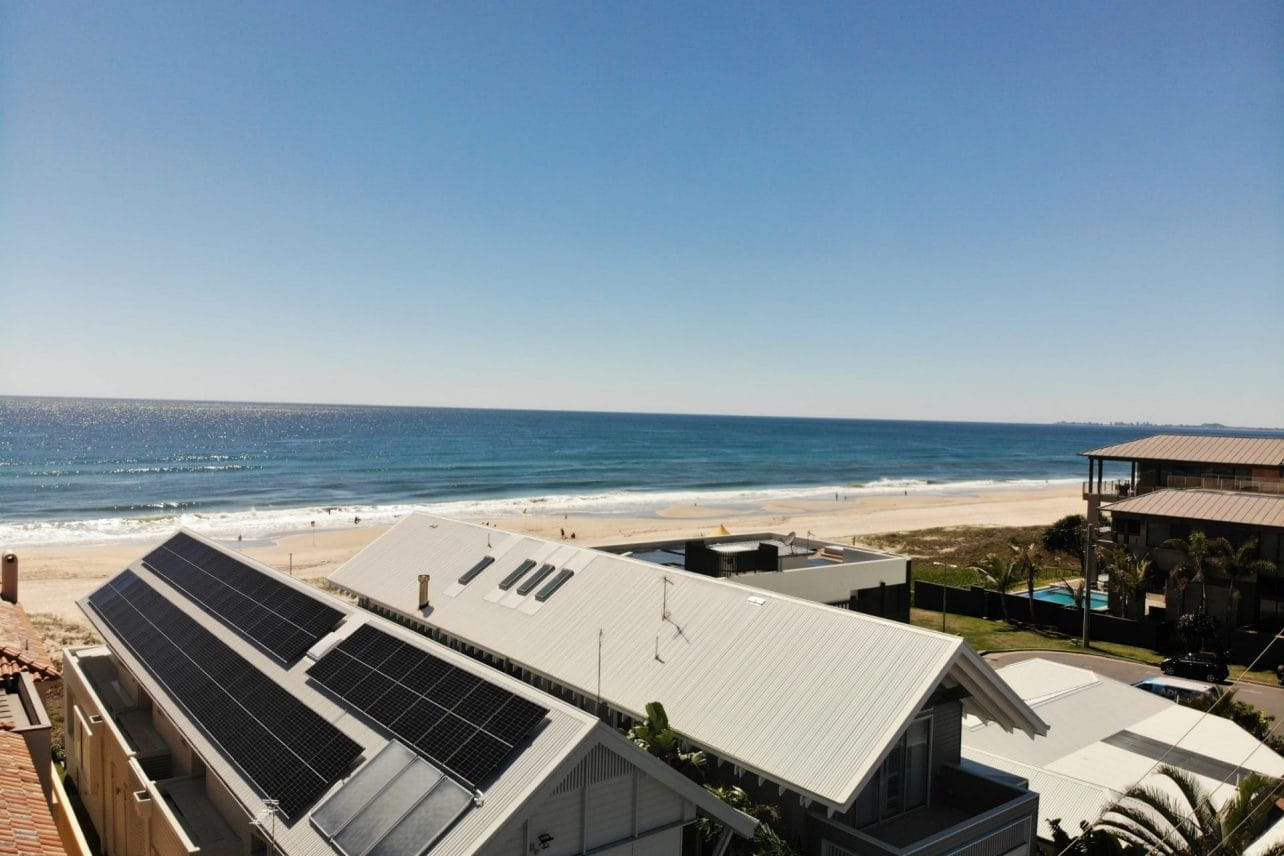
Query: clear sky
1018, 211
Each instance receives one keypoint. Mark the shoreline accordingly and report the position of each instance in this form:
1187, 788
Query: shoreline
54, 576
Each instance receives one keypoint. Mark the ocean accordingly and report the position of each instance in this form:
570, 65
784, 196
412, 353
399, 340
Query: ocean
94, 470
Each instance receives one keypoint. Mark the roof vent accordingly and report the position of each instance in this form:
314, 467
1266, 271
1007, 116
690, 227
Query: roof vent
423, 590
757, 601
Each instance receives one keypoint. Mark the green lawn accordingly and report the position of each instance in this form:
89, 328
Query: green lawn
995, 635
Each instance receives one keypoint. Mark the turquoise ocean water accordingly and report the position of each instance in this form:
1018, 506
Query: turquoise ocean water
86, 470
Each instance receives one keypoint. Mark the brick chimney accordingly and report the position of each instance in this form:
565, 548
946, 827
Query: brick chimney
9, 578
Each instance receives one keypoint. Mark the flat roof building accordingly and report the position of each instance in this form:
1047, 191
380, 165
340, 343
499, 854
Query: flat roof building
849, 577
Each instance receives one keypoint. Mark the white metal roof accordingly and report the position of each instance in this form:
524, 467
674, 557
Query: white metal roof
567, 734
1217, 506
1092, 719
805, 695
1198, 449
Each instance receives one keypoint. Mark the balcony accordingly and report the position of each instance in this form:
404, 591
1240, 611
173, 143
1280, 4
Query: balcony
1226, 483
1110, 490
969, 813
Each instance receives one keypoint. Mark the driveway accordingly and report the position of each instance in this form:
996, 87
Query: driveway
1268, 698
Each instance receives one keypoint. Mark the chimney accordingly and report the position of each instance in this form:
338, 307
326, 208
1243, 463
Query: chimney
423, 590
9, 578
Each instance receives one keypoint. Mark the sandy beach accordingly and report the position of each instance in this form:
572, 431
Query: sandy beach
54, 577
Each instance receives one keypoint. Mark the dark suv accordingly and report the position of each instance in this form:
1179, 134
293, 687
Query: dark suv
1200, 665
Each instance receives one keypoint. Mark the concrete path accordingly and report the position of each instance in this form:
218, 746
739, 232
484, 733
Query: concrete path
1268, 698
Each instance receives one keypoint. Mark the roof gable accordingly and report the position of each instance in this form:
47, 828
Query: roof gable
798, 692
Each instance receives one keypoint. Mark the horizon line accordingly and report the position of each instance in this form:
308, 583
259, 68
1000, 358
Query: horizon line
1119, 424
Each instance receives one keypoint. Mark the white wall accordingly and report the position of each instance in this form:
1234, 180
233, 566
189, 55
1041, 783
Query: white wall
827, 583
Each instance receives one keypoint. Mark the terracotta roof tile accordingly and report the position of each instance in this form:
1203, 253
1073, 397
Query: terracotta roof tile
21, 649
26, 827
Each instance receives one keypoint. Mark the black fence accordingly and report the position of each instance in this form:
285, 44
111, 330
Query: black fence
984, 603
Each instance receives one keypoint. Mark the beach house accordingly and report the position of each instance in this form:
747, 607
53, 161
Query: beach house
234, 710
849, 577
848, 723
1225, 487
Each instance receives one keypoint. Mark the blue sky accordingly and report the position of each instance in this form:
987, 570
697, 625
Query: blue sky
1024, 211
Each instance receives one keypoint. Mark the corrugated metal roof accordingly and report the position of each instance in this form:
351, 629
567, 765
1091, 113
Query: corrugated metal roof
1082, 714
1061, 797
803, 694
566, 735
1198, 449
1221, 506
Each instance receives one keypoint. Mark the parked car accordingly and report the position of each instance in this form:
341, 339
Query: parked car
1200, 665
1178, 688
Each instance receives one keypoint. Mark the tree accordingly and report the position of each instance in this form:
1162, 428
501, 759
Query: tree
1028, 564
1197, 546
1237, 563
1198, 630
1152, 818
1128, 573
1089, 842
766, 841
1254, 720
1066, 536
999, 575
655, 735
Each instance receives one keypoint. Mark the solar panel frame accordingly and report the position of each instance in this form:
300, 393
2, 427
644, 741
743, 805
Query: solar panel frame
277, 617
286, 750
436, 707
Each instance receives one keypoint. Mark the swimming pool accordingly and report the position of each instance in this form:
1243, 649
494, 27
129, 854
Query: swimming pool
1058, 594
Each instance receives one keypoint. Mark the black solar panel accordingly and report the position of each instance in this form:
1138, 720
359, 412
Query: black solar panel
282, 619
457, 720
289, 752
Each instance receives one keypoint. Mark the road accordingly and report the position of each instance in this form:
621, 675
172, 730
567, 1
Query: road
1268, 698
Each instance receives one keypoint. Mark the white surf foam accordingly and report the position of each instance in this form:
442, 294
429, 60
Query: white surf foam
260, 524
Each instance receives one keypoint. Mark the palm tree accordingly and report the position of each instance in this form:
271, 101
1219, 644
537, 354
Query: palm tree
999, 575
1028, 563
1128, 573
1197, 546
1236, 563
1151, 818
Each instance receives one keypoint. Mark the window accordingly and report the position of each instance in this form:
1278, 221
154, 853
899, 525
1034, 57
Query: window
902, 783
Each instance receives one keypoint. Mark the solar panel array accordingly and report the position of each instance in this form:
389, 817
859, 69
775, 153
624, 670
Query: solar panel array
460, 722
289, 751
279, 617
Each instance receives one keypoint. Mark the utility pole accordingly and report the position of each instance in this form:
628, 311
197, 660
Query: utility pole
1089, 563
